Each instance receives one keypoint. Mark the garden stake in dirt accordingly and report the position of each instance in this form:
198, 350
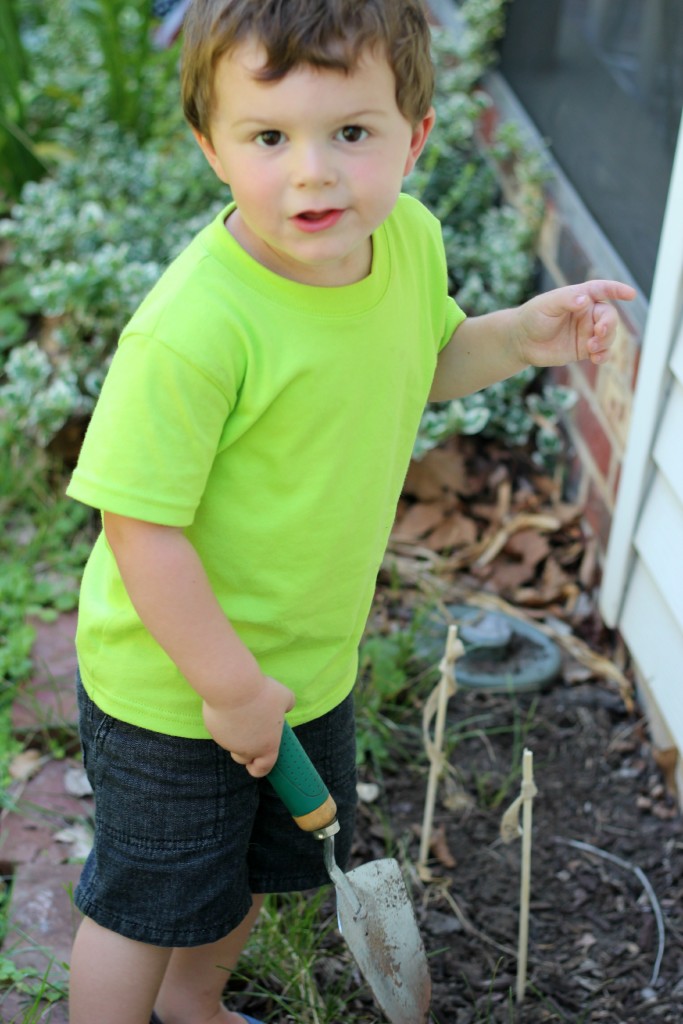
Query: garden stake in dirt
374, 911
510, 830
436, 705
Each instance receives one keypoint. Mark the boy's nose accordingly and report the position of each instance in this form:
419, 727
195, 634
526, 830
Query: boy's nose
312, 166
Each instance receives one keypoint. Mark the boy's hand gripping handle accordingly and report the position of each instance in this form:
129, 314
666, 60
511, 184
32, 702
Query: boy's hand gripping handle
302, 791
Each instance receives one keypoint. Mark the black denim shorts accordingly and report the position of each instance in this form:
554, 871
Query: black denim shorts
184, 835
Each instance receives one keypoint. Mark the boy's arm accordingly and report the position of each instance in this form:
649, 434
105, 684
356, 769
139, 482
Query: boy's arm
559, 327
166, 581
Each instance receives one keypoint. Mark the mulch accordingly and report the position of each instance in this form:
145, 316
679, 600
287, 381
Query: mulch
605, 937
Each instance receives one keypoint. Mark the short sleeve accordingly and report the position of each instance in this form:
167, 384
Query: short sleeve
153, 436
454, 317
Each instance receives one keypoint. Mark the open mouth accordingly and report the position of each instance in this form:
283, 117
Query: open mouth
317, 220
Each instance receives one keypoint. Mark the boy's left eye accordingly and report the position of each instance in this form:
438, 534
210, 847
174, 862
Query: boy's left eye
352, 133
270, 138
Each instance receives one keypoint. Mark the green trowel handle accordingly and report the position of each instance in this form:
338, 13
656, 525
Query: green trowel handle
297, 783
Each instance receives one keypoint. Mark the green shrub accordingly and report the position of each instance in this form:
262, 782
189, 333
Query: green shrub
490, 244
19, 159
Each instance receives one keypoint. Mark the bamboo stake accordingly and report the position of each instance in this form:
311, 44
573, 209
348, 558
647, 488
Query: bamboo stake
445, 688
528, 793
509, 831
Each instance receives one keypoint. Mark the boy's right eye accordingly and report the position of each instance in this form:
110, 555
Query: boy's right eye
270, 138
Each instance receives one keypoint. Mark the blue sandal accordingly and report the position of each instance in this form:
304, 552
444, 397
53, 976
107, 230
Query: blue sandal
248, 1020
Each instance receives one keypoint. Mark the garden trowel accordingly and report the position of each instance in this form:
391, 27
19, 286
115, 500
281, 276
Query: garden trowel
374, 911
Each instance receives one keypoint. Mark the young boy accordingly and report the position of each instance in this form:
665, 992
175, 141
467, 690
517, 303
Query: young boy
247, 452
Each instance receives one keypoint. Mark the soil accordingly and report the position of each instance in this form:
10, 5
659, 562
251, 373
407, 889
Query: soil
595, 952
605, 939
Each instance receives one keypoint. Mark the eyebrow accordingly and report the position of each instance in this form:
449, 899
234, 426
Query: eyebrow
351, 118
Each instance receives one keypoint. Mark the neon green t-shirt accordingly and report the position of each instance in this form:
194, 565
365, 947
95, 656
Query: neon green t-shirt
274, 422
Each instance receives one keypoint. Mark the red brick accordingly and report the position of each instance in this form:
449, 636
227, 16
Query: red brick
589, 428
636, 365
560, 375
42, 924
41, 809
25, 841
598, 515
589, 371
616, 481
488, 123
48, 700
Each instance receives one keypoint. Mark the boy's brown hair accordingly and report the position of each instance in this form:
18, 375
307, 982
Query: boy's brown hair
320, 33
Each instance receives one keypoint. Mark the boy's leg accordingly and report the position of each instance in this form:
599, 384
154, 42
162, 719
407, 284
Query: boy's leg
113, 979
193, 984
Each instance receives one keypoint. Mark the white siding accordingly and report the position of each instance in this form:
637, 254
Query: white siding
659, 543
668, 453
643, 579
655, 641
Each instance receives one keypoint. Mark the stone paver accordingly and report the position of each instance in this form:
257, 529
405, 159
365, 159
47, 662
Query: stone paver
40, 808
42, 918
48, 700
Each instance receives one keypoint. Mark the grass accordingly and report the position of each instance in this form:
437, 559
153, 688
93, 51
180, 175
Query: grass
296, 963
37, 987
44, 542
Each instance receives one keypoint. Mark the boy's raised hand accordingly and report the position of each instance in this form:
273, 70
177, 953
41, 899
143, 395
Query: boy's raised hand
572, 323
558, 327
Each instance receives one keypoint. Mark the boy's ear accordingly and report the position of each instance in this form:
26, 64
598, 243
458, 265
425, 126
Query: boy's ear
209, 152
419, 137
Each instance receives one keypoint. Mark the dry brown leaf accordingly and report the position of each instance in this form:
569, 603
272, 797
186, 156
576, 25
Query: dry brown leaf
484, 510
554, 577
421, 483
457, 530
522, 521
666, 760
76, 782
78, 837
503, 498
572, 551
529, 546
419, 521
508, 576
589, 564
439, 848
567, 513
25, 765
441, 470
541, 597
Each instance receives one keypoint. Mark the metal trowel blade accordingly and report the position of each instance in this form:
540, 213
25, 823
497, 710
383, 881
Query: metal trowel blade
380, 928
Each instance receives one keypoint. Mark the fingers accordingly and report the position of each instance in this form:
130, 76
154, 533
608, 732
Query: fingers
260, 767
605, 322
601, 291
599, 322
256, 766
580, 299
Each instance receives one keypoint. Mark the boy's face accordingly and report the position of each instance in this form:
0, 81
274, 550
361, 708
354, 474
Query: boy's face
315, 162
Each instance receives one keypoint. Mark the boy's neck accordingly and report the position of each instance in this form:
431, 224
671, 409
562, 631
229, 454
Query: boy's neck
357, 266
